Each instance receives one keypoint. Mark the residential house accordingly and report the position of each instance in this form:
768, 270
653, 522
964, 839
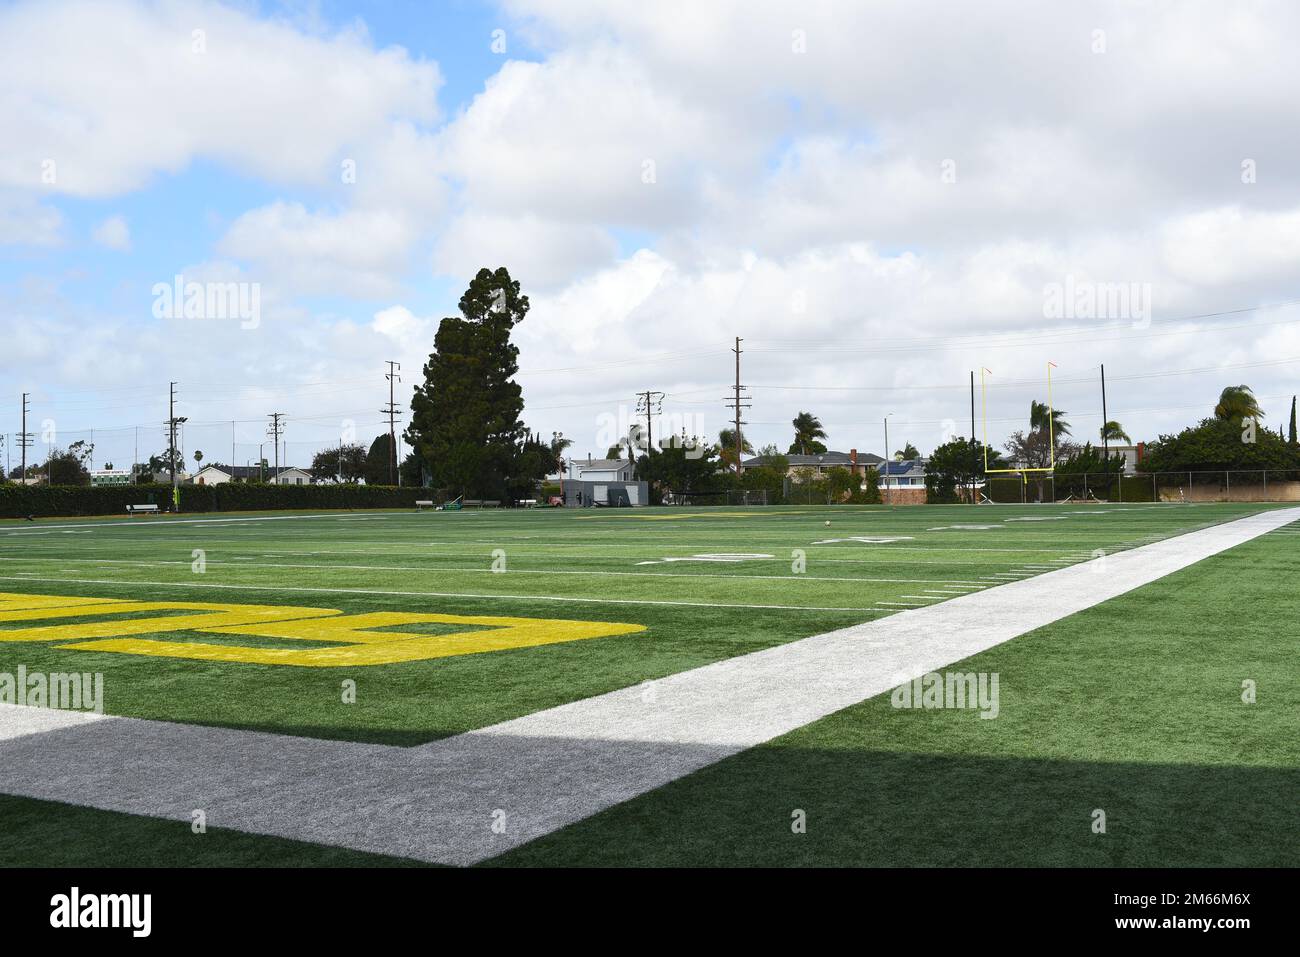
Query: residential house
284, 475
601, 470
820, 464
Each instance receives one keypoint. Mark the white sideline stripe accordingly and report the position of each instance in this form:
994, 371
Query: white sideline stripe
435, 802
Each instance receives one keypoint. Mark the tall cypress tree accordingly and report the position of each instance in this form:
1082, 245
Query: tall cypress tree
1292, 436
465, 417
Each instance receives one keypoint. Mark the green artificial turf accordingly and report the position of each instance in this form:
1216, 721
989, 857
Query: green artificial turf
559, 564
1132, 707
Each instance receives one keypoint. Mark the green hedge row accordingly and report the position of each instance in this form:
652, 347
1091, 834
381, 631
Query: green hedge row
1008, 490
18, 501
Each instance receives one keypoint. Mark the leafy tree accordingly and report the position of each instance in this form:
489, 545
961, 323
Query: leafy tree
69, 467
908, 452
684, 464
379, 461
841, 483
1237, 402
1292, 437
465, 417
198, 458
347, 462
1114, 432
807, 430
412, 470
1217, 444
533, 461
959, 460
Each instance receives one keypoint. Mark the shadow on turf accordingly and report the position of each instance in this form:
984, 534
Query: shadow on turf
879, 809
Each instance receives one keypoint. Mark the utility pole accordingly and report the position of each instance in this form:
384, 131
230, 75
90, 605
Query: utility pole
1105, 432
172, 422
736, 403
391, 410
171, 436
887, 458
651, 403
275, 418
25, 437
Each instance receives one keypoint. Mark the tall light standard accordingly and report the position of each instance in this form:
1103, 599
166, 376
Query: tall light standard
887, 458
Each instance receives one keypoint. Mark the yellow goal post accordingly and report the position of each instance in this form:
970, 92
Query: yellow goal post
1051, 438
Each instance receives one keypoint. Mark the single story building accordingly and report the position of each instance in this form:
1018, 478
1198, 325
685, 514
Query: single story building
601, 470
219, 474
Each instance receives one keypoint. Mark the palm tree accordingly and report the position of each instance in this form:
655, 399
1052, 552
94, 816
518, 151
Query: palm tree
1237, 402
1038, 420
1112, 431
807, 430
558, 444
727, 446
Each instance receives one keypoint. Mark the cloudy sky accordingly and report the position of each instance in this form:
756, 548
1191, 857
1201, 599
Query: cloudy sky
878, 197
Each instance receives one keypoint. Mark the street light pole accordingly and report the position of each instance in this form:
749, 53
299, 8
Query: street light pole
887, 459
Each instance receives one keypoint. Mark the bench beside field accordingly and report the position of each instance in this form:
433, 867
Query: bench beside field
142, 510
424, 503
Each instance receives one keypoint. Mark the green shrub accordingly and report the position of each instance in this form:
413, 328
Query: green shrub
18, 501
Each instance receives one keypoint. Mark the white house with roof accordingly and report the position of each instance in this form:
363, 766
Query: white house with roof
600, 470
220, 474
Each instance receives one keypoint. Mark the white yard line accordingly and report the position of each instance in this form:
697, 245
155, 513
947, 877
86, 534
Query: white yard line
438, 802
439, 569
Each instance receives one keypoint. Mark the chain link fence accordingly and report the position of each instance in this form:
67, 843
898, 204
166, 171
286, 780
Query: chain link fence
1193, 485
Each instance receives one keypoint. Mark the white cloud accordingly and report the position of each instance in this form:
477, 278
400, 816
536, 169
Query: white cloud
356, 252
113, 233
798, 199
540, 254
114, 92
1233, 245
591, 137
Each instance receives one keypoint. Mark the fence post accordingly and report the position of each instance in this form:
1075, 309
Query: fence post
1227, 484
1121, 485
1155, 496
1266, 484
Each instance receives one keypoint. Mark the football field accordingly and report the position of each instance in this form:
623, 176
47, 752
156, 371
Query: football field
323, 640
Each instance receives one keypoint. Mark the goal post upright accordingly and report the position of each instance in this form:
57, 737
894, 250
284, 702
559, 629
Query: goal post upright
1051, 426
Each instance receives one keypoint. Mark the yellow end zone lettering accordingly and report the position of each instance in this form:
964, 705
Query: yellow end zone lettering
357, 641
